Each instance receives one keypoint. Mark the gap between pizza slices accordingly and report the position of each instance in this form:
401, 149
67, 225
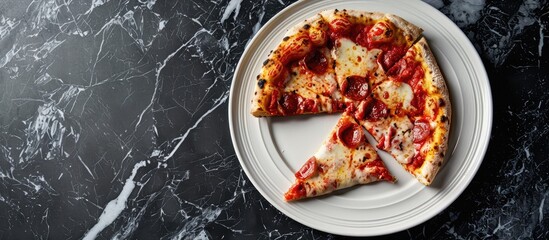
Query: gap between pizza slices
379, 71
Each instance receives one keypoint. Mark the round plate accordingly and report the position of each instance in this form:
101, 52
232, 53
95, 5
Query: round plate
270, 150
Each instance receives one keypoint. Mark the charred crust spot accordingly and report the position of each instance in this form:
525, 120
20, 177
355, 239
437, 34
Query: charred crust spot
375, 74
286, 38
255, 93
265, 63
441, 154
443, 118
439, 164
306, 26
431, 72
436, 148
336, 10
261, 83
441, 102
257, 77
294, 73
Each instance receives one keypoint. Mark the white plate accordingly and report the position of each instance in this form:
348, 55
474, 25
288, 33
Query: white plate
271, 150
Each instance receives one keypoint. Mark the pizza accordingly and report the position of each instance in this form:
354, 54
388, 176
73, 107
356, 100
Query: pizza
376, 69
343, 160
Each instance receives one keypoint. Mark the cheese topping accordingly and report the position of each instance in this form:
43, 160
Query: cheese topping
353, 59
401, 142
395, 94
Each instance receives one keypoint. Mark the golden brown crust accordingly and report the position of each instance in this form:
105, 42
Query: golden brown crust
411, 31
435, 159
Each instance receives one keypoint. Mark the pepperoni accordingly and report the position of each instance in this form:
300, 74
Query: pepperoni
339, 28
351, 134
390, 56
421, 130
377, 110
289, 103
338, 106
315, 62
355, 88
381, 32
307, 170
297, 191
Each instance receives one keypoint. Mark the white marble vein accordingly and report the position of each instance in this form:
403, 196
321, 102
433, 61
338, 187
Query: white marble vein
233, 6
116, 206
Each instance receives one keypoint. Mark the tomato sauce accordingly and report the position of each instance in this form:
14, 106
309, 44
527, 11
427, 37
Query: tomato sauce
297, 191
417, 161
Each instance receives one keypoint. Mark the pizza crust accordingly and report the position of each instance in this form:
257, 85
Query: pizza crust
411, 31
427, 172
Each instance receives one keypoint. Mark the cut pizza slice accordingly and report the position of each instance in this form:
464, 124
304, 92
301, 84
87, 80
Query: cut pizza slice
388, 34
345, 159
298, 77
416, 123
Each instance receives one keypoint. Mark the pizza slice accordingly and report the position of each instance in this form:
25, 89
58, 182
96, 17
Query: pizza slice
301, 62
345, 159
298, 77
416, 123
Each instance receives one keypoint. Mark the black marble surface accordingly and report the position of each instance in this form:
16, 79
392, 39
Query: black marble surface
113, 122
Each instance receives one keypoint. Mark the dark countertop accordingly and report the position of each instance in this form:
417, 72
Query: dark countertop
113, 122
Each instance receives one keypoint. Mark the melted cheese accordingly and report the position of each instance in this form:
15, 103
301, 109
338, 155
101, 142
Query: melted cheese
401, 143
395, 94
353, 59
